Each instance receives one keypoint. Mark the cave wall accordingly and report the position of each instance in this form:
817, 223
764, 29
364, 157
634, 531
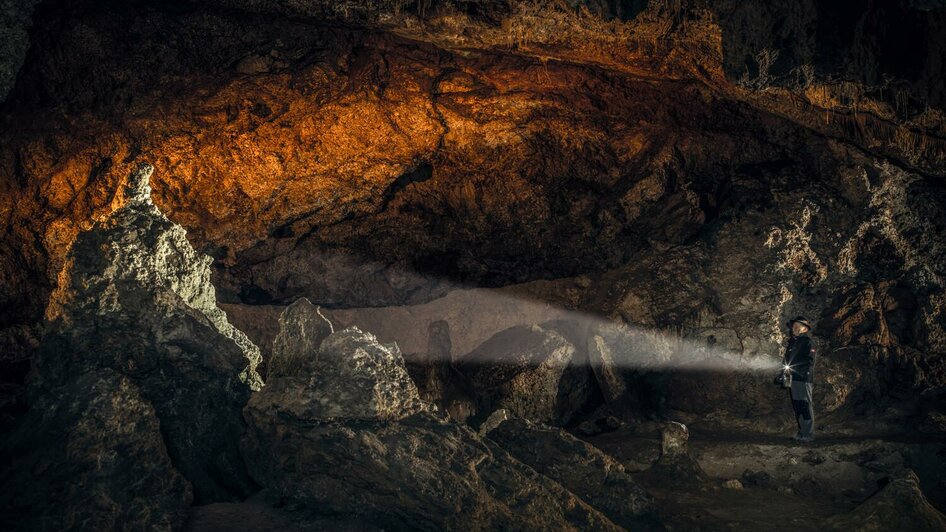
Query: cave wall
396, 154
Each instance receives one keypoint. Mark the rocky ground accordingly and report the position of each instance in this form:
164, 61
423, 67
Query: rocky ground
308, 261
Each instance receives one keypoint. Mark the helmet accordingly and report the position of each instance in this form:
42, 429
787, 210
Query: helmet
800, 319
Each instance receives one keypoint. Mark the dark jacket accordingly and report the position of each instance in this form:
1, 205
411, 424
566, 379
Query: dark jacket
800, 355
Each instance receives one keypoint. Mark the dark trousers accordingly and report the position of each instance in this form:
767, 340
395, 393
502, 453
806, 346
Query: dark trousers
801, 403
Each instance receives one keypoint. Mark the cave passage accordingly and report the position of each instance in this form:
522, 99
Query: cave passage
472, 265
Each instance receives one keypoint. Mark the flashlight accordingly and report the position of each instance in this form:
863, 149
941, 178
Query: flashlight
786, 376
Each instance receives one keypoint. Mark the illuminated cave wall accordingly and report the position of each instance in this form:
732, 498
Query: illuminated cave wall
628, 160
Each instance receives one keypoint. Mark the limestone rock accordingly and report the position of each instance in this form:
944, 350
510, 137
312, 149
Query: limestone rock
494, 420
673, 440
135, 298
351, 377
675, 466
597, 478
90, 456
522, 369
606, 371
353, 438
420, 473
440, 383
898, 505
139, 248
302, 327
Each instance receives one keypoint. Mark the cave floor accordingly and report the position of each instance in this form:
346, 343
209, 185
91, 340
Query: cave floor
718, 508
256, 515
790, 486
784, 485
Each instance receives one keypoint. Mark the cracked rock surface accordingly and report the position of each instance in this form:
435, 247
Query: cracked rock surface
350, 436
135, 300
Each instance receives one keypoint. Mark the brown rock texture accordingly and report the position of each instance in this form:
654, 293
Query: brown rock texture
581, 468
900, 503
135, 299
301, 331
383, 157
323, 443
530, 371
91, 456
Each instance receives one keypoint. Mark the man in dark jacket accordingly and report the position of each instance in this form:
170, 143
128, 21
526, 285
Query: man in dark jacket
800, 358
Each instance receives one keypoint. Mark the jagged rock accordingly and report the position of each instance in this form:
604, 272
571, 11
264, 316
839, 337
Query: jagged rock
675, 466
440, 383
673, 440
353, 438
898, 505
606, 370
352, 376
494, 420
420, 473
302, 327
522, 369
90, 456
134, 297
597, 478
577, 387
139, 248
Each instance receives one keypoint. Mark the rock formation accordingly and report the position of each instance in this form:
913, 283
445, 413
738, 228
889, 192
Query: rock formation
612, 158
91, 456
350, 377
674, 464
301, 331
528, 371
350, 436
579, 467
899, 504
142, 372
667, 181
440, 383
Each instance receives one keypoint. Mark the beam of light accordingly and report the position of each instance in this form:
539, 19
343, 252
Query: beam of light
474, 315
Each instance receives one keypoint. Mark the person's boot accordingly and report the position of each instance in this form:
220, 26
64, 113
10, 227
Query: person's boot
806, 437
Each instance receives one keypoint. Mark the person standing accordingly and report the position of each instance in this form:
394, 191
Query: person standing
800, 359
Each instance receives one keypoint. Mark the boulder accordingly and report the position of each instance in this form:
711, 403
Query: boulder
898, 505
302, 327
675, 466
494, 420
589, 473
439, 382
526, 370
90, 456
597, 425
135, 298
420, 473
673, 440
351, 376
138, 250
353, 438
